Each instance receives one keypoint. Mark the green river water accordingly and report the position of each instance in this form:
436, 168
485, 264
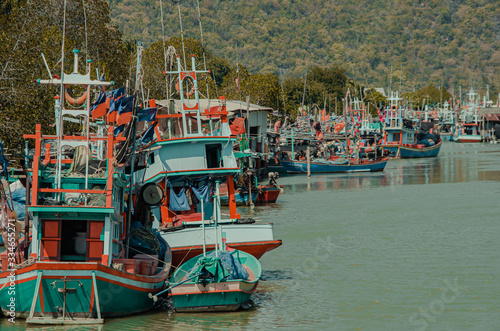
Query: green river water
415, 247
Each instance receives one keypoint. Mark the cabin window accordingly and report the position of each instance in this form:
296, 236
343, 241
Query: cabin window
214, 156
151, 158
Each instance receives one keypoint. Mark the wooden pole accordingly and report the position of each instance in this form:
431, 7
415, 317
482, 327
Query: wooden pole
308, 162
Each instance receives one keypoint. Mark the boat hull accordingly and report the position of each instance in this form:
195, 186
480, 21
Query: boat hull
408, 152
254, 239
468, 138
225, 296
268, 194
446, 136
411, 152
300, 167
119, 293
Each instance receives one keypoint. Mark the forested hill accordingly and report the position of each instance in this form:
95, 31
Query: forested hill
455, 42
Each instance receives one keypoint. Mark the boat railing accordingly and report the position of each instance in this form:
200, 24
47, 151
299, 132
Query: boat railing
80, 182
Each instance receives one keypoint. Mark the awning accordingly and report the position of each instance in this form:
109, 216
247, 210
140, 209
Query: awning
492, 117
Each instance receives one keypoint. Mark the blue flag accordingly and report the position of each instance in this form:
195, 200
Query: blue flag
146, 114
148, 136
117, 130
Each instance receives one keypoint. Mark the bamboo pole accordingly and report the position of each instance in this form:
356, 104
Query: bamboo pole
308, 162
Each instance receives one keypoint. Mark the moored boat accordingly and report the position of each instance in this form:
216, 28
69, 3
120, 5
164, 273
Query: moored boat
467, 130
221, 280
76, 265
213, 288
325, 166
402, 139
184, 164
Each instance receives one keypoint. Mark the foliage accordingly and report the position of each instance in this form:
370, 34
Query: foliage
375, 100
29, 28
429, 95
379, 42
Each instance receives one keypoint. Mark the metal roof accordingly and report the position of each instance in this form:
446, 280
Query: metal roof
232, 106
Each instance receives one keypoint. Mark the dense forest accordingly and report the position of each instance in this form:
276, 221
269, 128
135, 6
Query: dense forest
412, 43
283, 54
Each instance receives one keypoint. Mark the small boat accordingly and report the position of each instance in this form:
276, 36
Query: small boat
207, 287
324, 166
407, 151
221, 280
261, 194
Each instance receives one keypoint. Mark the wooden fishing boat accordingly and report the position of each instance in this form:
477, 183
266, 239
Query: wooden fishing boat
402, 140
74, 268
467, 130
324, 166
184, 161
222, 280
261, 194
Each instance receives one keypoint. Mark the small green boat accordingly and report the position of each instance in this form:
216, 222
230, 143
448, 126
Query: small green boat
220, 280
206, 284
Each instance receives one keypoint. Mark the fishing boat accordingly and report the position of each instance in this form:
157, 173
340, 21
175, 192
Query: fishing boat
401, 138
261, 194
327, 166
77, 264
220, 280
183, 161
467, 130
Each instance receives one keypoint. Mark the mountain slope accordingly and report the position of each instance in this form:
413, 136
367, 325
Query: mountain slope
450, 42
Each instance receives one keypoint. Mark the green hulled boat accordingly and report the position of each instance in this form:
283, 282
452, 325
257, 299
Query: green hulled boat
214, 287
221, 280
75, 265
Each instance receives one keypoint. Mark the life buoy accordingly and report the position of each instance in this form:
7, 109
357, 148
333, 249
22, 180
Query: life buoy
78, 101
186, 95
394, 108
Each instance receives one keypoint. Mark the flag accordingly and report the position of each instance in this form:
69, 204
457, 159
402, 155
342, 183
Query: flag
237, 77
113, 107
117, 130
148, 135
98, 108
238, 126
124, 115
146, 114
114, 102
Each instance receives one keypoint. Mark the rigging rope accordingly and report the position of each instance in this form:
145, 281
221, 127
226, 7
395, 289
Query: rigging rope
85, 21
164, 49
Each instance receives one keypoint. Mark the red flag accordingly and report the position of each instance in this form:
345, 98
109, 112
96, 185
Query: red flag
238, 83
238, 126
100, 110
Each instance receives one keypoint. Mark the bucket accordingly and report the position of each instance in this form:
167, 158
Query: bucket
81, 243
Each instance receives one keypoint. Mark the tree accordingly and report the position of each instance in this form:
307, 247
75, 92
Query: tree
29, 28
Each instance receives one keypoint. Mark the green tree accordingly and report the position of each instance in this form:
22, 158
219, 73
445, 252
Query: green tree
29, 28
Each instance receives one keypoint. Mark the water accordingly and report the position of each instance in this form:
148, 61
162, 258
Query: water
412, 248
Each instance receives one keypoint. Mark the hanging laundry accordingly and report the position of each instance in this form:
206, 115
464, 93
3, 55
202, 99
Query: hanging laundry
178, 202
202, 191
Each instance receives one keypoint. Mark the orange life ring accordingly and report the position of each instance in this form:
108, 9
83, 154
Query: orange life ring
78, 101
186, 95
394, 108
